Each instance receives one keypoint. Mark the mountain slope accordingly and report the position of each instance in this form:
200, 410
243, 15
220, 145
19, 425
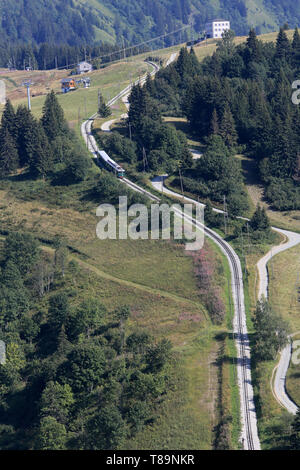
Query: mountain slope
87, 21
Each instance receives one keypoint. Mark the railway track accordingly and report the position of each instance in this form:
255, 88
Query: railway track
249, 434
86, 127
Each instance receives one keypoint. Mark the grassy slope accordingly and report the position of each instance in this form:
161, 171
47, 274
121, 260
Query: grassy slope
156, 279
82, 103
284, 297
192, 406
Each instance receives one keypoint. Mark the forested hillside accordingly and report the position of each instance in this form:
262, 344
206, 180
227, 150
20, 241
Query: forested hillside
86, 21
237, 101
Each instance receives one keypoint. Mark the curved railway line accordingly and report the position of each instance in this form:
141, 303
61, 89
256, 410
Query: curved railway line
249, 435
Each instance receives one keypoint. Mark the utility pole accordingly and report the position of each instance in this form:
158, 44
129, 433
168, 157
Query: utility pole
124, 48
28, 85
85, 110
249, 241
144, 162
225, 215
181, 182
99, 99
243, 251
145, 159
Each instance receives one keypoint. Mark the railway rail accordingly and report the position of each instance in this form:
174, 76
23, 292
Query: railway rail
249, 434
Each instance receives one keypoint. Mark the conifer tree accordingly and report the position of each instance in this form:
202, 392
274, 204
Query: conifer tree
9, 159
8, 120
214, 127
252, 41
296, 48
253, 45
183, 63
283, 45
103, 110
53, 120
296, 41
227, 129
24, 125
41, 158
194, 62
295, 436
149, 85
260, 220
14, 299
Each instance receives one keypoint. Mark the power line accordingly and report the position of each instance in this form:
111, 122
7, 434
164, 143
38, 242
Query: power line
123, 50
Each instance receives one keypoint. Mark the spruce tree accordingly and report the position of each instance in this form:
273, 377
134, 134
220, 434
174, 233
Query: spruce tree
183, 63
296, 41
150, 85
214, 126
253, 45
103, 110
296, 49
227, 129
24, 124
9, 159
295, 436
14, 299
8, 120
194, 63
283, 45
41, 157
260, 220
53, 120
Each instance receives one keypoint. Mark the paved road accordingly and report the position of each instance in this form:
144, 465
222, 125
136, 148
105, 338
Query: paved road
279, 388
106, 126
158, 184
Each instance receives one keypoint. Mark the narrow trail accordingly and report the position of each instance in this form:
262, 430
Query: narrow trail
134, 285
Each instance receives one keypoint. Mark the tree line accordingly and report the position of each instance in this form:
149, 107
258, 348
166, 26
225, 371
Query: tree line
47, 56
44, 148
243, 95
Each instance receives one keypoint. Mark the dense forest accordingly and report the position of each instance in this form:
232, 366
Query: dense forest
238, 100
47, 150
44, 148
71, 23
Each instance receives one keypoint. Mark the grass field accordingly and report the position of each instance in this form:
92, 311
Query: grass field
156, 279
81, 103
284, 297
